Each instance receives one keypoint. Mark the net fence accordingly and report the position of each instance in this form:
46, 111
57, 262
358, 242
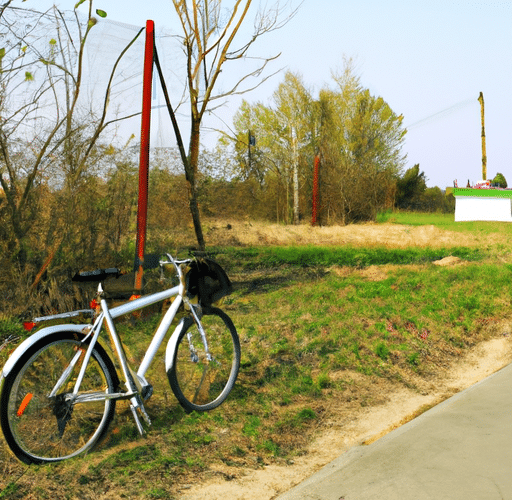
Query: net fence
39, 53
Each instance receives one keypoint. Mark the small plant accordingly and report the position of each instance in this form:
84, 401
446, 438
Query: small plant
413, 359
251, 428
271, 447
157, 493
306, 414
383, 217
323, 381
382, 351
10, 330
9, 490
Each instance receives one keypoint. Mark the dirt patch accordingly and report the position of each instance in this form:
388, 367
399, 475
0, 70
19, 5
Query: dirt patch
358, 426
374, 273
448, 261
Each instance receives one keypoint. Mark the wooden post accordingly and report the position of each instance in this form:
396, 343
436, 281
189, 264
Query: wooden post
142, 207
484, 154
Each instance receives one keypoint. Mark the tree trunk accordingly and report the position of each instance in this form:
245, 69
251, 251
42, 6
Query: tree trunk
194, 210
191, 176
295, 182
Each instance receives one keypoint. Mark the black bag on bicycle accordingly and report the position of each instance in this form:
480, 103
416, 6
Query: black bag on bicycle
208, 281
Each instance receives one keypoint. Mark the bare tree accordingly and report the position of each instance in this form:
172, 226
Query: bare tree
42, 126
23, 97
208, 38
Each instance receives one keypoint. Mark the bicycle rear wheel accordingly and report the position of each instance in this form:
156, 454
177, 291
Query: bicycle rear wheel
200, 381
42, 428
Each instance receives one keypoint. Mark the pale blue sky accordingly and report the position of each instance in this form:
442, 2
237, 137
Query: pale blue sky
429, 59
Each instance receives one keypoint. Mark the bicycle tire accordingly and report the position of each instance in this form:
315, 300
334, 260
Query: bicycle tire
41, 429
199, 384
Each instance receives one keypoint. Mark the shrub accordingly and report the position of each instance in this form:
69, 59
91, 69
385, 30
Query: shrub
500, 179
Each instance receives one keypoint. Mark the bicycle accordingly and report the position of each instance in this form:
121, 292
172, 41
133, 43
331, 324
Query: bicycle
59, 388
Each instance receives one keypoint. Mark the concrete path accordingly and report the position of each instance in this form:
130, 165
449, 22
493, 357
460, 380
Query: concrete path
460, 449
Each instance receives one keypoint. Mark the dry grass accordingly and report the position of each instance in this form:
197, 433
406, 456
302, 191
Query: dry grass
220, 232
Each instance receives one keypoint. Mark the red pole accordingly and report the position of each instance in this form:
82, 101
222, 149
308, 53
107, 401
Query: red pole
142, 208
316, 172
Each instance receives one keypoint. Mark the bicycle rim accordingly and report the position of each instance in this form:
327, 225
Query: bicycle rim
40, 428
200, 383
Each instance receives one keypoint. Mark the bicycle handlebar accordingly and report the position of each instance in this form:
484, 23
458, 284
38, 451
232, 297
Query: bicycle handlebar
176, 263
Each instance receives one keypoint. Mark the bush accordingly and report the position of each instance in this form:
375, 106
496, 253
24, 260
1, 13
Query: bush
500, 179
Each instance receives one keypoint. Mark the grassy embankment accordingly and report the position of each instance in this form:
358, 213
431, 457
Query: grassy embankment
319, 326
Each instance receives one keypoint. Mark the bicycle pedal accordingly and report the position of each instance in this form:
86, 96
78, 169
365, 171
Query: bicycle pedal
145, 415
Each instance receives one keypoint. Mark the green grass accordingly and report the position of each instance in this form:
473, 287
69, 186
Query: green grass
446, 221
311, 256
306, 331
374, 327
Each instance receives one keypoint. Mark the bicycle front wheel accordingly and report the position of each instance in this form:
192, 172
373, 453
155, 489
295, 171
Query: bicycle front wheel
40, 419
202, 379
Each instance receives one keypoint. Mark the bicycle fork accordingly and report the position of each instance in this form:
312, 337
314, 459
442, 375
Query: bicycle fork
197, 321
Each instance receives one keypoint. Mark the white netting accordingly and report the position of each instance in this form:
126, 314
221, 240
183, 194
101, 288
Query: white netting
108, 40
43, 35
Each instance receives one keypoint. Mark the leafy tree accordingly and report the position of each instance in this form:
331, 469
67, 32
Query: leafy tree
360, 145
412, 194
284, 148
410, 188
295, 117
435, 200
258, 121
358, 136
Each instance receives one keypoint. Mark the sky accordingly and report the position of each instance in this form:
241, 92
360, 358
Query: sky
428, 59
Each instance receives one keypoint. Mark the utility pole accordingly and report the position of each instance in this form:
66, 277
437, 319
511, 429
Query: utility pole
484, 155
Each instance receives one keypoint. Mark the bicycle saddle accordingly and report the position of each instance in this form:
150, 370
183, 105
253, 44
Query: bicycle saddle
97, 275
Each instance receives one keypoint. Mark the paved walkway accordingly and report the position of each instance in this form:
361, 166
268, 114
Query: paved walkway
460, 449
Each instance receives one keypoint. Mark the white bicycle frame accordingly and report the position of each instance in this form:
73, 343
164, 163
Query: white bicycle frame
108, 315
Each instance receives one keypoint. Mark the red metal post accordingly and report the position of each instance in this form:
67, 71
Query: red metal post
142, 208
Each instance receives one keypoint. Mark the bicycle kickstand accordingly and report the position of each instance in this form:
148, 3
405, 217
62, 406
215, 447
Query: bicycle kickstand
137, 404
